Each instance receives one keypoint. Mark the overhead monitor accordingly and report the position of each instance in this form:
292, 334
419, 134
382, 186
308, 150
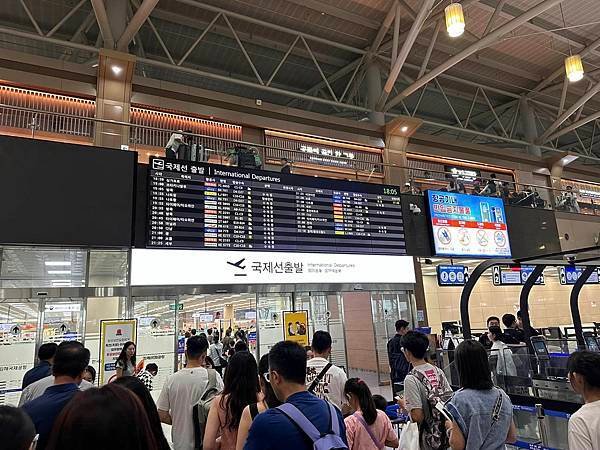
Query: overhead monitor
452, 275
468, 225
204, 206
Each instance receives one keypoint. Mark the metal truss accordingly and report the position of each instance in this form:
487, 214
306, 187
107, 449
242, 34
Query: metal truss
498, 117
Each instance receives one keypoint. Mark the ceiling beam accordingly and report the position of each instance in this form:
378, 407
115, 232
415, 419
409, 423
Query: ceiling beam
273, 26
339, 13
62, 21
399, 61
486, 41
574, 126
135, 23
569, 112
103, 23
561, 70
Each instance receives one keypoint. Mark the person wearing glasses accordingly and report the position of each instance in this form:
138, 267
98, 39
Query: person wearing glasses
16, 429
278, 428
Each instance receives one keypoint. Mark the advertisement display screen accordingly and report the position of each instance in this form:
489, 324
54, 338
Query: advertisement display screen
468, 225
204, 206
452, 275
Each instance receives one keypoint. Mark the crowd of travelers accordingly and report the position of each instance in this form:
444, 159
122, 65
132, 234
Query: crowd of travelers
527, 196
290, 399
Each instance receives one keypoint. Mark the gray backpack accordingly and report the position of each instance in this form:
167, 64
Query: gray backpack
201, 409
330, 440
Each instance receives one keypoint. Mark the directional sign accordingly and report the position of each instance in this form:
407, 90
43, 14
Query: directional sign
452, 275
514, 275
570, 275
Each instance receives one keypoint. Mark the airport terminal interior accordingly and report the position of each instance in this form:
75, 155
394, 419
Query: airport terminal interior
241, 175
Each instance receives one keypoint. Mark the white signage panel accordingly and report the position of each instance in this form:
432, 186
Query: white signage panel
159, 267
113, 336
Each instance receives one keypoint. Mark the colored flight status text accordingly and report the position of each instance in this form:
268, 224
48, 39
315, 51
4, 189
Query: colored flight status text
204, 206
468, 225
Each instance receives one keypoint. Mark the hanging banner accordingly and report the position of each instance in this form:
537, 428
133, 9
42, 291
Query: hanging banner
113, 335
295, 327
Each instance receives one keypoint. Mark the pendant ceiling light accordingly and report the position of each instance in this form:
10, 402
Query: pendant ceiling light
574, 68
455, 19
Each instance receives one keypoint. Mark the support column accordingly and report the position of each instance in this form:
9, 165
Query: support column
397, 134
117, 13
529, 126
373, 77
113, 98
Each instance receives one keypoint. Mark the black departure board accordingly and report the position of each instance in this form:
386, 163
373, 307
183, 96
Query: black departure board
204, 206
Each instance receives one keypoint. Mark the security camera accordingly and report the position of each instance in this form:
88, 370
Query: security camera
571, 258
415, 209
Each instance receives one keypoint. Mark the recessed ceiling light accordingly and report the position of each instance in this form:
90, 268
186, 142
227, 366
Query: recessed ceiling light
57, 263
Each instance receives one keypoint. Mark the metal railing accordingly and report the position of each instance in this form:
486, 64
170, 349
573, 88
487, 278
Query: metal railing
219, 150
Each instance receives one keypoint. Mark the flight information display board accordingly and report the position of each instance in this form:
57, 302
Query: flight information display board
203, 206
468, 225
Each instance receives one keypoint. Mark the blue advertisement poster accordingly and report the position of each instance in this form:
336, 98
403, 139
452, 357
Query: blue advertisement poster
468, 225
452, 275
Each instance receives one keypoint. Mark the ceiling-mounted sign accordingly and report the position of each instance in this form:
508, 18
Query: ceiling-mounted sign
570, 275
156, 267
514, 276
452, 275
462, 173
62, 307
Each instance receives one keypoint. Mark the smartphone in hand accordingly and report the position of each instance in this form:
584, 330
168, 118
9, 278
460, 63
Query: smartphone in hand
442, 409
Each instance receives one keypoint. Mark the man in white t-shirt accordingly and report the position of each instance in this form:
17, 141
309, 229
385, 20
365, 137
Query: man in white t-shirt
330, 385
584, 425
182, 391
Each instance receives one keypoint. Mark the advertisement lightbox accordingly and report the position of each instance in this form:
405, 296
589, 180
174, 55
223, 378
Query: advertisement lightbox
468, 225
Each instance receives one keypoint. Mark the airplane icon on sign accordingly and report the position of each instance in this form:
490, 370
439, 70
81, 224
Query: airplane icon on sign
239, 265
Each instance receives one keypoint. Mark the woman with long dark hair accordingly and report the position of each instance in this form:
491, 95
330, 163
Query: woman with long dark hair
368, 428
120, 421
269, 400
240, 390
126, 360
136, 386
482, 413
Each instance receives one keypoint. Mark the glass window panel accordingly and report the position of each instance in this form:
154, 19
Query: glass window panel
156, 336
39, 267
97, 309
108, 268
63, 320
18, 333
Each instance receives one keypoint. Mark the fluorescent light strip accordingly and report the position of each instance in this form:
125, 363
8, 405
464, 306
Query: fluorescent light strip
57, 263
59, 272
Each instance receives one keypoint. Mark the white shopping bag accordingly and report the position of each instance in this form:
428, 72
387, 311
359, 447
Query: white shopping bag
409, 439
